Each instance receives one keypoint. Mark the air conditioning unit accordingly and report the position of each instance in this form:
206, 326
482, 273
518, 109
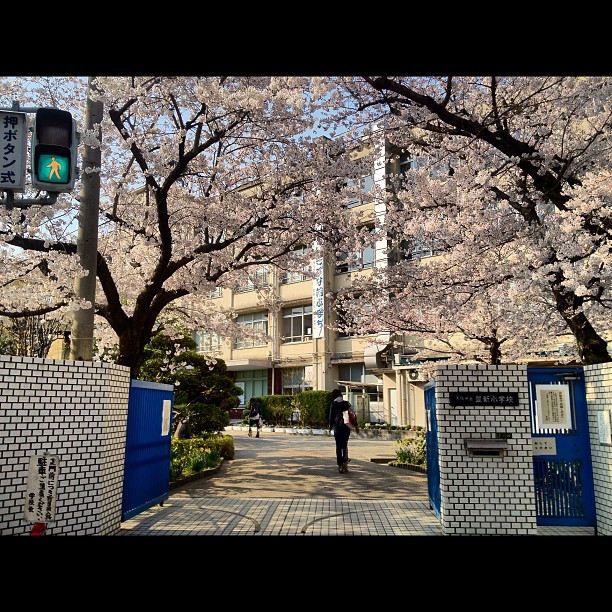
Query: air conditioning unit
415, 376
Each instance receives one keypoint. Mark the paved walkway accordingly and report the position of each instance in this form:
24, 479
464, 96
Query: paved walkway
288, 485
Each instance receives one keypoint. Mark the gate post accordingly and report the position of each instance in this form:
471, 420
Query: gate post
598, 380
485, 453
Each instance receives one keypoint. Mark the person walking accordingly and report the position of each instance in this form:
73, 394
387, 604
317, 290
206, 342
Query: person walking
341, 430
254, 416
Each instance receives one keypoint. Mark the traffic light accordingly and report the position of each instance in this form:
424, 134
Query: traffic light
54, 150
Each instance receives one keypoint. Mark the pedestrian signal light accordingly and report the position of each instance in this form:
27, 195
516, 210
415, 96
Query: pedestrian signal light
54, 150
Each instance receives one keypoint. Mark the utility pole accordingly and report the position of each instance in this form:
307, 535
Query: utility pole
81, 335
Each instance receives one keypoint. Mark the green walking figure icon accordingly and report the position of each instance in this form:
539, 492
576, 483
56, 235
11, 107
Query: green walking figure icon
55, 167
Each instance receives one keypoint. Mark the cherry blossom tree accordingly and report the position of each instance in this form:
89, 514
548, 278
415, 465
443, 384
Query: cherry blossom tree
203, 180
509, 192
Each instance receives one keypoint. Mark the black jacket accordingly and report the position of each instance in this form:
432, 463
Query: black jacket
254, 411
336, 406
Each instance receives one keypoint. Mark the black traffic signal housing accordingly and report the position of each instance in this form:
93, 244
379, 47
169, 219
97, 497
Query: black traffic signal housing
54, 150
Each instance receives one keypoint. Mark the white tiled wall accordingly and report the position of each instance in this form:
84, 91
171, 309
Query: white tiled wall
598, 380
485, 495
77, 411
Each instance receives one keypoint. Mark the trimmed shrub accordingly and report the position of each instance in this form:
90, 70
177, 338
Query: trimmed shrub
314, 408
208, 459
202, 419
275, 409
191, 455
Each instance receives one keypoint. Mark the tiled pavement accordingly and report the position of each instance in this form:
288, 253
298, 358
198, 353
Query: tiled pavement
235, 516
288, 485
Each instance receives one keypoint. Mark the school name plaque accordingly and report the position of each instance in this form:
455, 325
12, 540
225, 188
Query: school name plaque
490, 398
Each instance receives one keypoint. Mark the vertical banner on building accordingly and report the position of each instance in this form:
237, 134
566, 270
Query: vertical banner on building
318, 299
14, 143
41, 493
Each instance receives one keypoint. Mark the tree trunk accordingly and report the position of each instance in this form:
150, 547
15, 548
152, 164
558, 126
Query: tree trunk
131, 347
592, 348
495, 352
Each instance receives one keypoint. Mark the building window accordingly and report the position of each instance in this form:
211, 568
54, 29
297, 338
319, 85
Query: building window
364, 185
419, 247
348, 323
352, 262
297, 324
423, 249
406, 161
355, 261
345, 323
215, 293
258, 279
304, 253
207, 343
254, 321
296, 380
254, 384
354, 372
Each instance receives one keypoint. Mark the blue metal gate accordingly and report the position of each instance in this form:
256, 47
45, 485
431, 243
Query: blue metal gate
431, 442
562, 464
146, 479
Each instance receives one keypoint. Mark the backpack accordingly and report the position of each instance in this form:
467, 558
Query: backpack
254, 413
339, 419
